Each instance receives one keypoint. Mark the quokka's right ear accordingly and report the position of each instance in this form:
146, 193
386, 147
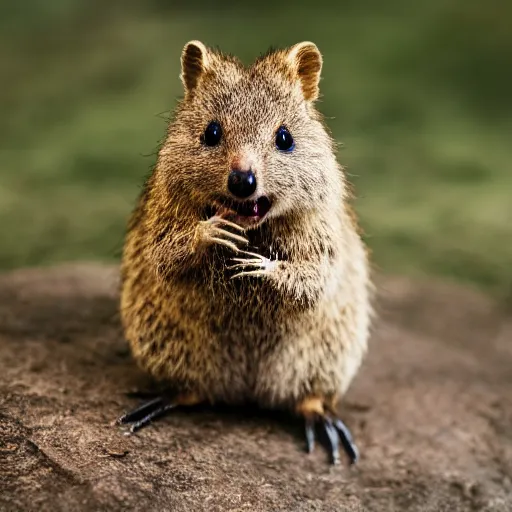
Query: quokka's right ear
306, 61
195, 61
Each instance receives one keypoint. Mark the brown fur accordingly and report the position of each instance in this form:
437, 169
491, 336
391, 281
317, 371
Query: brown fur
298, 329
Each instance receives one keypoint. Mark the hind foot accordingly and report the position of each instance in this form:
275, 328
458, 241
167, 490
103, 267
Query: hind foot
314, 412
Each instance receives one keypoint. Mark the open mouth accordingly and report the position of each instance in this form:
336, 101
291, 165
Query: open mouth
244, 212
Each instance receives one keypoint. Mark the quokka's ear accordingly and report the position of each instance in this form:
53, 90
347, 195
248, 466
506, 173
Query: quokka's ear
306, 61
195, 61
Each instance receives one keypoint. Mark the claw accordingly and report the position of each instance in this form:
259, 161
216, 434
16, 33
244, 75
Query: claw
243, 265
140, 412
220, 220
146, 420
332, 435
223, 233
253, 273
145, 414
253, 254
243, 260
346, 440
156, 408
226, 243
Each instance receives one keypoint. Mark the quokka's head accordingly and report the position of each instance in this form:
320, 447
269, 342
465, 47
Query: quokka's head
247, 142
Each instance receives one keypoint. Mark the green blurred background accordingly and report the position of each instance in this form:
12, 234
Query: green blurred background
420, 94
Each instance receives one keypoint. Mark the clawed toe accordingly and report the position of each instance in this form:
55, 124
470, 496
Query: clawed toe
154, 409
241, 264
336, 432
310, 434
347, 440
145, 414
334, 440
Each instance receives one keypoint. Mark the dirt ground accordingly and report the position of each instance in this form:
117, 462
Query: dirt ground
431, 411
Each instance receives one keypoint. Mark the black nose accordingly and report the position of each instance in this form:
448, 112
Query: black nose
242, 183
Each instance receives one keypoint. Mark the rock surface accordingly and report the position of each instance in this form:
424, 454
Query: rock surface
431, 411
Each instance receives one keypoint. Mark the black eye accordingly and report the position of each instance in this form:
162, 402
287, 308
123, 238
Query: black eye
212, 134
284, 139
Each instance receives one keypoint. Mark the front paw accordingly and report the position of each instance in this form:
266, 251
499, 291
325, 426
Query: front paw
253, 265
213, 231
